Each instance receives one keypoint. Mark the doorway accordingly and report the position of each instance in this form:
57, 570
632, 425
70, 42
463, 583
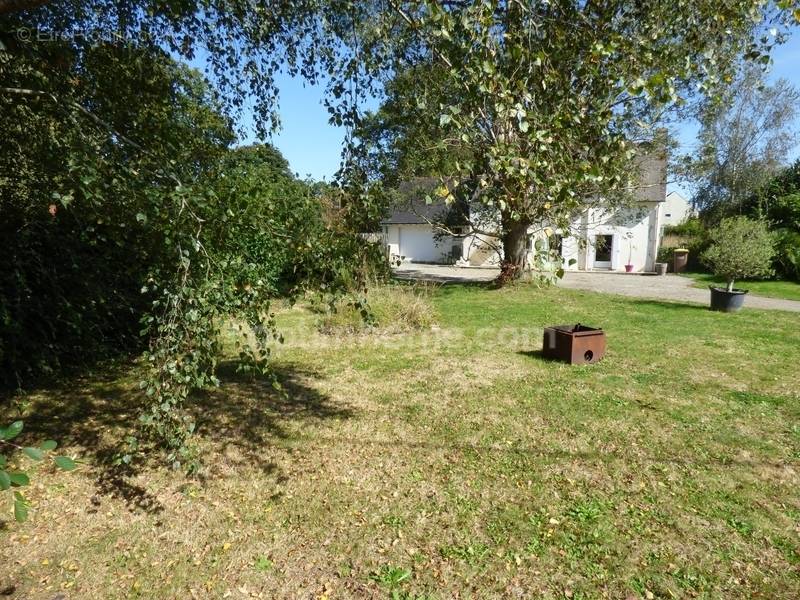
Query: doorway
603, 246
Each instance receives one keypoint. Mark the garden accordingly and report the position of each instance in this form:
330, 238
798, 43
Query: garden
211, 386
666, 470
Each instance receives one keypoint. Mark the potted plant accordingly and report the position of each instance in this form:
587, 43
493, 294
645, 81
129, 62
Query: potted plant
740, 248
629, 265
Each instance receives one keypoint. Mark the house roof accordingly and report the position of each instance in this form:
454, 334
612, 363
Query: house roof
413, 209
417, 213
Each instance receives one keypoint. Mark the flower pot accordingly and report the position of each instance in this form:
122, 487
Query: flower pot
628, 268
661, 268
725, 301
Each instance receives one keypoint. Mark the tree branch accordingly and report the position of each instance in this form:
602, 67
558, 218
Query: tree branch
93, 117
11, 6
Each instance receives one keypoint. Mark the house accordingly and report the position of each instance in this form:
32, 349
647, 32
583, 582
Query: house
599, 239
675, 209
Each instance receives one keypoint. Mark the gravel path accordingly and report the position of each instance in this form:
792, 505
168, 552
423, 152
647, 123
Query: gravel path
669, 287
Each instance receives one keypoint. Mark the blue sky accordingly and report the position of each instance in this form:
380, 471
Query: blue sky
313, 147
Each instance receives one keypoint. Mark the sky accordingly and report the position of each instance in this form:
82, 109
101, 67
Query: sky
313, 146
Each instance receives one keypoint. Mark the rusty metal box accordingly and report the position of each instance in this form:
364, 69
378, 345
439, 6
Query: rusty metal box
575, 344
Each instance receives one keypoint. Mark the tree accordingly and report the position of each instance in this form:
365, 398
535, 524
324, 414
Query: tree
547, 94
553, 105
778, 203
740, 248
745, 139
80, 208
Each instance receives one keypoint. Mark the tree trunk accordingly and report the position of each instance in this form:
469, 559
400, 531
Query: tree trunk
730, 285
515, 251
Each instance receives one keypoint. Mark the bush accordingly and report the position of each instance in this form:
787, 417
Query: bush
691, 227
740, 248
787, 255
389, 309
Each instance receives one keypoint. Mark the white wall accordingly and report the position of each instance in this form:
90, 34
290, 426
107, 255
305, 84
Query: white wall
641, 221
416, 243
675, 209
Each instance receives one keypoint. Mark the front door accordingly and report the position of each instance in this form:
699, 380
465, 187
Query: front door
603, 246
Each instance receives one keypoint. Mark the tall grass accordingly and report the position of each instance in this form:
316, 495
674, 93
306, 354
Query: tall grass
390, 308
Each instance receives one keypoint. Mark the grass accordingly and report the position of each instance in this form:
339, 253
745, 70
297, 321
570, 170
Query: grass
442, 463
392, 309
786, 290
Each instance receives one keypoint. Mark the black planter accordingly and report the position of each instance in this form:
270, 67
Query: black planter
725, 301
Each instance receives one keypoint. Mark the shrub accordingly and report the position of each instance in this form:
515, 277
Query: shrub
787, 255
389, 309
740, 248
691, 227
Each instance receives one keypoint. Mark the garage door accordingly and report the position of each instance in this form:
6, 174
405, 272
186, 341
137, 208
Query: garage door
417, 244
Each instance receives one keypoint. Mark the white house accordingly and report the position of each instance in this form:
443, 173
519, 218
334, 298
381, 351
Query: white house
675, 209
600, 239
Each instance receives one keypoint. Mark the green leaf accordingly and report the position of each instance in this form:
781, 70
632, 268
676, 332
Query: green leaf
20, 510
5, 480
12, 431
49, 445
65, 462
2, 460
33, 453
19, 478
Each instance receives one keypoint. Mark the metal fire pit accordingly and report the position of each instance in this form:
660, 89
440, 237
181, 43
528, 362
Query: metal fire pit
575, 344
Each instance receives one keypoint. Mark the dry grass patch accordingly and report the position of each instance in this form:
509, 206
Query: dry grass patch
449, 464
390, 309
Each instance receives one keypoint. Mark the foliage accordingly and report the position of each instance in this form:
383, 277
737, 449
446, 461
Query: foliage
787, 253
127, 215
740, 248
80, 209
389, 309
744, 137
12, 480
691, 227
779, 203
116, 133
551, 106
694, 237
260, 235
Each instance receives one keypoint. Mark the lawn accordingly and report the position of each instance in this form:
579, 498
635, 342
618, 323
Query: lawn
787, 290
451, 463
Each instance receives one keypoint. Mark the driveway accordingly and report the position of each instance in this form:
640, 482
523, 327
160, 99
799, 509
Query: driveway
668, 287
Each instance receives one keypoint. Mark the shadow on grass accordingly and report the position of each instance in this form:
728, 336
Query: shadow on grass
539, 355
420, 276
672, 305
240, 419
247, 413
